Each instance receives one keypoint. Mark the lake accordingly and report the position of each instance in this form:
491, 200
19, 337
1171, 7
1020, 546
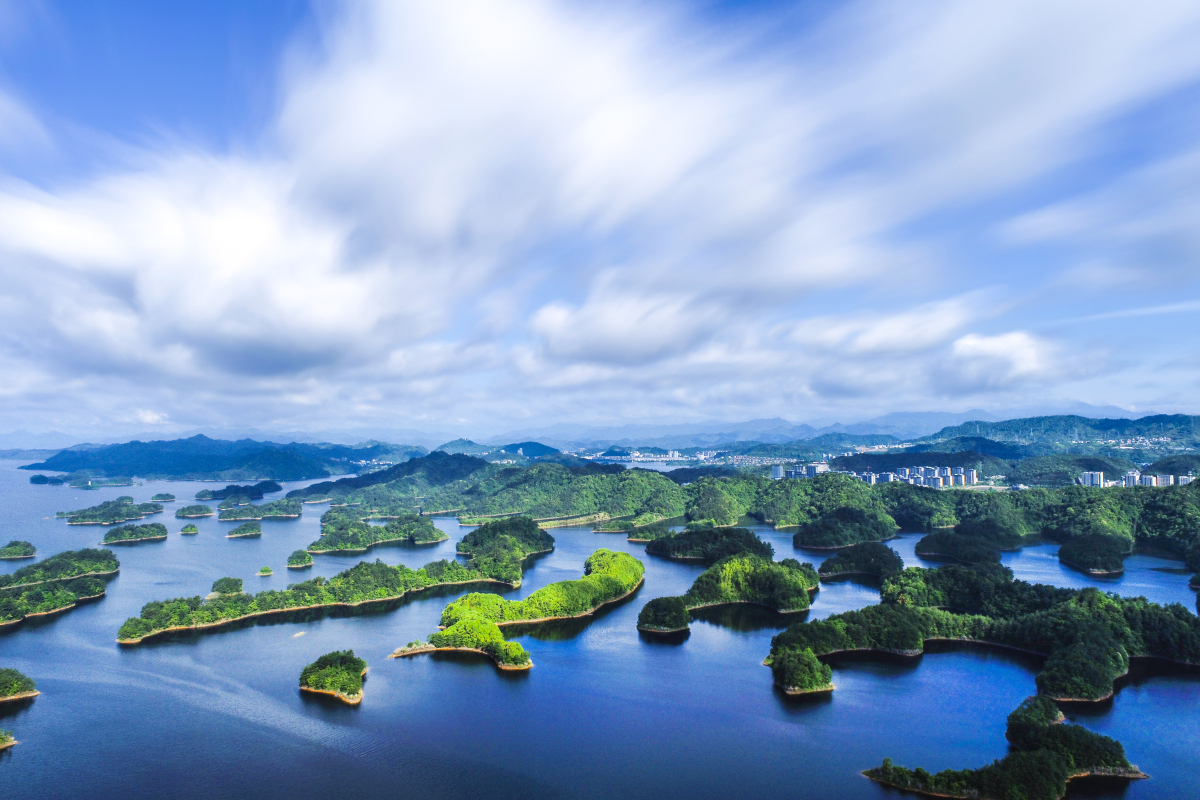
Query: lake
604, 713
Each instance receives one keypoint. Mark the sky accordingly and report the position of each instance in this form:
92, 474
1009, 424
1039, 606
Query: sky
481, 215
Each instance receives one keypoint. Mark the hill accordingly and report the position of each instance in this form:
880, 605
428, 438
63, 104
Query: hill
465, 446
889, 462
983, 446
1069, 427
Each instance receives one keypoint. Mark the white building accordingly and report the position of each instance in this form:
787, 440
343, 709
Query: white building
1093, 479
887, 477
1184, 480
970, 477
1146, 480
776, 472
1131, 477
956, 471
959, 480
813, 470
1165, 480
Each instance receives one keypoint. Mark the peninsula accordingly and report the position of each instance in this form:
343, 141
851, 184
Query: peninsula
15, 549
339, 674
65, 566
1096, 554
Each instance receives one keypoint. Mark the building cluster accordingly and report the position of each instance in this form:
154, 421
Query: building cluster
933, 477
1134, 478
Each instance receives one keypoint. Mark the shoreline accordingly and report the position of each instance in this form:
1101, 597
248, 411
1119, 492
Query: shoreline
223, 622
52, 611
17, 558
19, 696
5, 745
1133, 774
1092, 573
299, 566
243, 535
751, 603
360, 551
404, 652
593, 610
348, 699
134, 541
844, 546
664, 630
58, 580
794, 692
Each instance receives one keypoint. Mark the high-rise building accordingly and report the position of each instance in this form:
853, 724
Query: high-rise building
776, 472
868, 477
903, 472
1165, 480
970, 477
1131, 477
1184, 480
944, 472
956, 471
813, 470
887, 477
1146, 480
1092, 479
958, 479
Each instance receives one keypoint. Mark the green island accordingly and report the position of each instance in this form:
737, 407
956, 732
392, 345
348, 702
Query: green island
16, 686
164, 497
784, 586
248, 493
16, 549
956, 546
339, 673
43, 480
7, 740
194, 512
709, 545
1095, 554
499, 548
1044, 754
365, 583
278, 509
648, 533
130, 534
65, 566
265, 572
111, 512
227, 586
473, 622
189, 530
300, 559
871, 559
245, 530
1086, 636
344, 531
844, 527
16, 604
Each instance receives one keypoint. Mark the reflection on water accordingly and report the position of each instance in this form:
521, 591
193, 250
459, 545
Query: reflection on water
747, 617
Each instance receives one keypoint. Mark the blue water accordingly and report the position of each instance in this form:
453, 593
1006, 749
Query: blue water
604, 713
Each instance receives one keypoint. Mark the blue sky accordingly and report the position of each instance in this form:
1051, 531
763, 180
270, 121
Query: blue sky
492, 215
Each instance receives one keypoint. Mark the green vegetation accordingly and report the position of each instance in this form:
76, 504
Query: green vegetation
227, 586
965, 549
664, 615
869, 558
240, 494
110, 512
1087, 636
345, 531
46, 598
709, 545
279, 509
128, 534
6, 739
366, 582
246, 529
844, 527
299, 559
189, 529
13, 683
163, 498
1063, 470
797, 670
194, 512
648, 533
751, 578
1096, 554
985, 464
42, 480
16, 549
1044, 754
62, 567
339, 673
498, 548
265, 572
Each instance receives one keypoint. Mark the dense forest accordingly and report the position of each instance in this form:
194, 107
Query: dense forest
248, 491
872, 559
278, 509
299, 559
111, 512
340, 673
63, 567
17, 603
245, 530
343, 530
127, 534
17, 549
709, 545
194, 512
14, 683
499, 549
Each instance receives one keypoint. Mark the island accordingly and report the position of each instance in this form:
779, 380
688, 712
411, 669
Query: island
131, 534
43, 480
15, 686
1086, 635
344, 531
15, 549
111, 512
189, 530
499, 548
473, 622
868, 559
339, 673
300, 559
785, 587
278, 509
163, 498
845, 526
363, 584
248, 493
1096, 554
957, 547
227, 586
265, 572
245, 530
1044, 754
90, 562
194, 512
7, 740
648, 533
46, 599
709, 545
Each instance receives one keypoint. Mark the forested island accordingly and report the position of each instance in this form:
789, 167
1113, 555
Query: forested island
957, 547
278, 509
846, 526
65, 566
227, 586
1086, 635
7, 740
1045, 752
189, 530
130, 534
16, 549
339, 673
163, 498
47, 598
194, 512
265, 572
870, 559
111, 512
299, 559
709, 545
344, 530
245, 531
43, 480
240, 494
473, 622
499, 548
16, 686
366, 582
1096, 554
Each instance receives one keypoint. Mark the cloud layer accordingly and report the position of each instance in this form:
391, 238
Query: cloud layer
486, 213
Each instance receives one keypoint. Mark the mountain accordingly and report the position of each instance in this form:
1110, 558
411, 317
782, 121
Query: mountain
670, 437
1069, 428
